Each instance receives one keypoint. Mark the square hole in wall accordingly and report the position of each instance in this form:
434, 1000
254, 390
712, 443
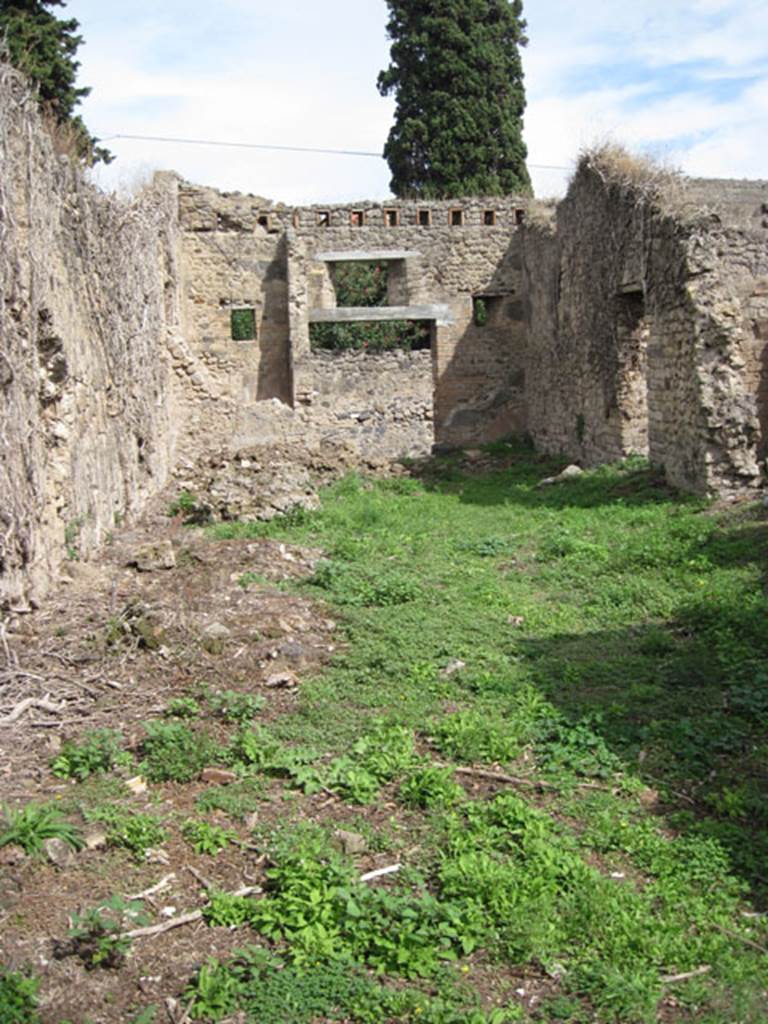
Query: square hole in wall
243, 324
486, 310
263, 220
456, 218
425, 218
323, 218
392, 218
489, 218
519, 216
357, 218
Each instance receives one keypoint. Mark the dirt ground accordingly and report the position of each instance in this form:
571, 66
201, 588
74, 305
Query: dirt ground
109, 648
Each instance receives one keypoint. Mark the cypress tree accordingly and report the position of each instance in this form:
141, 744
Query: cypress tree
457, 76
44, 48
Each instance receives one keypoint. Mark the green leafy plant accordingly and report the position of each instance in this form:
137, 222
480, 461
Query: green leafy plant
96, 935
234, 706
476, 736
29, 827
182, 707
127, 828
429, 786
204, 837
18, 998
99, 751
192, 510
172, 752
349, 586
237, 799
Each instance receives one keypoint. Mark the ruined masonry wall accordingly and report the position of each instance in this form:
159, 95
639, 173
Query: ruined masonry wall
87, 296
478, 376
244, 252
648, 330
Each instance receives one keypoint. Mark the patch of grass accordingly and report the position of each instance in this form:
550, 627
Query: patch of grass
204, 837
237, 800
29, 827
182, 707
614, 638
235, 706
18, 998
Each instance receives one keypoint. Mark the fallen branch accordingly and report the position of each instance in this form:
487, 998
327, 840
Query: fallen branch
44, 703
206, 884
512, 780
672, 979
517, 780
162, 884
743, 938
177, 922
379, 872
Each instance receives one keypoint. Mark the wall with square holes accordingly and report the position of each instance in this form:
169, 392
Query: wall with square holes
250, 262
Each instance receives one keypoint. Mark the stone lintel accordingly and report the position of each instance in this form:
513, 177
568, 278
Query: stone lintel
365, 255
349, 314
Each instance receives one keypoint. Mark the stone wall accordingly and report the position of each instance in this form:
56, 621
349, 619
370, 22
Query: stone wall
139, 335
88, 294
243, 252
448, 253
646, 311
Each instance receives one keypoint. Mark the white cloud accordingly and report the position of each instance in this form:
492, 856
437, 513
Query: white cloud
659, 75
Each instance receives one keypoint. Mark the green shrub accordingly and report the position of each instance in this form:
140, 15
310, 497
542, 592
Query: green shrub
172, 752
99, 751
18, 998
127, 828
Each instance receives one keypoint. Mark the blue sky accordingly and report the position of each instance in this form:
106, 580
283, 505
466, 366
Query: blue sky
685, 81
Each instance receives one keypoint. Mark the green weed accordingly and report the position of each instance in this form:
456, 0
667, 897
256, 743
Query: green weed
99, 751
172, 752
204, 837
29, 827
18, 998
96, 935
128, 829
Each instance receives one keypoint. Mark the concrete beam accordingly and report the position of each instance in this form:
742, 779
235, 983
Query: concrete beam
438, 312
365, 255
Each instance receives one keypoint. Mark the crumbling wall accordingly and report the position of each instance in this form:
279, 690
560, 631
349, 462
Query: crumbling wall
87, 295
646, 303
233, 258
588, 326
450, 253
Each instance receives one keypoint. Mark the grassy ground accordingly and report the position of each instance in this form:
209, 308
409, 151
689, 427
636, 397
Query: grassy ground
550, 709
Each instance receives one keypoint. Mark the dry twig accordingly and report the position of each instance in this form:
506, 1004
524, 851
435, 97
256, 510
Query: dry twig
672, 979
177, 922
44, 703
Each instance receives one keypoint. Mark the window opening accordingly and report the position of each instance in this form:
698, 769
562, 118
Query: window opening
243, 324
324, 218
519, 216
357, 218
392, 218
263, 220
489, 218
456, 218
425, 218
479, 311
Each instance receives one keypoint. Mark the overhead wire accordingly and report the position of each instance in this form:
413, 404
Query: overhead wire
269, 146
